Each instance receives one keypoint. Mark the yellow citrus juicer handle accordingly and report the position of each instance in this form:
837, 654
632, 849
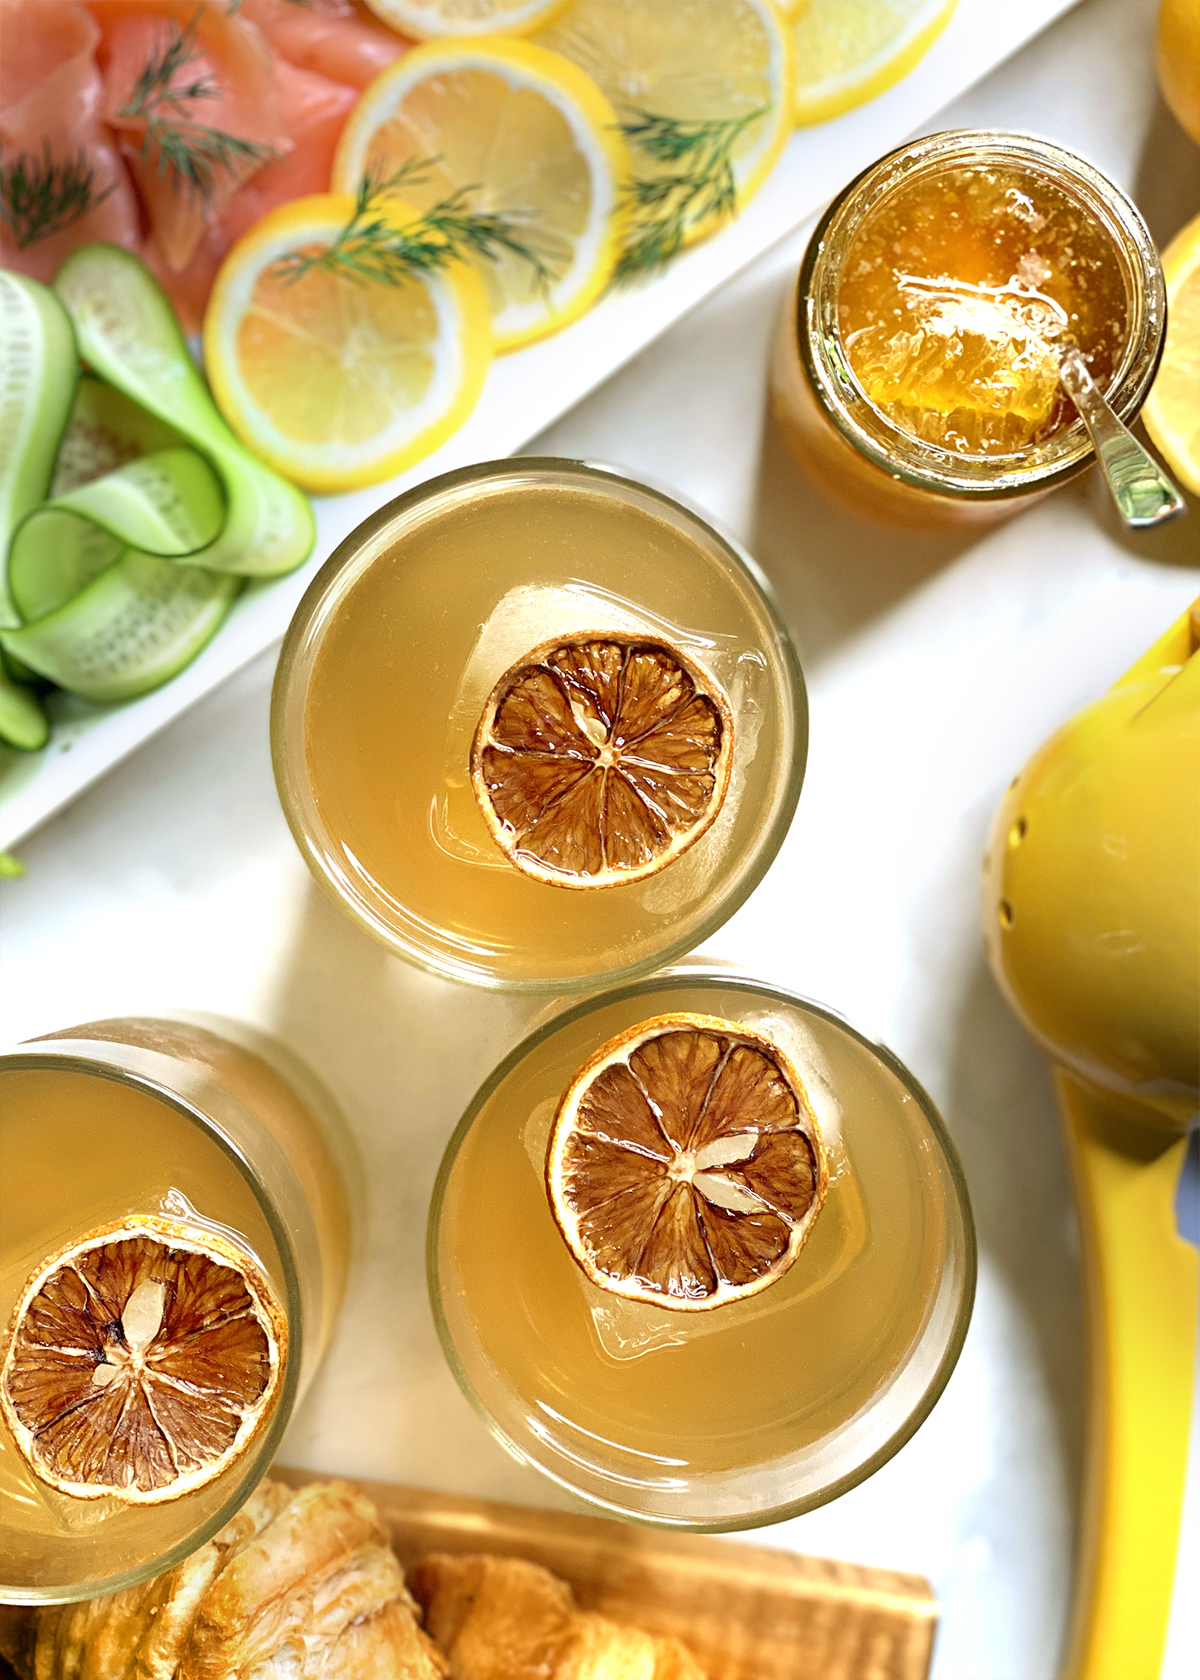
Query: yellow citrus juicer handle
1092, 924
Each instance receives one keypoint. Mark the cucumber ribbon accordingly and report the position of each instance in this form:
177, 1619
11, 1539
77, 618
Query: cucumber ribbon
108, 609
38, 369
120, 570
110, 577
128, 334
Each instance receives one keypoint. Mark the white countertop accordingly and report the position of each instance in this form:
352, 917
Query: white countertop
935, 667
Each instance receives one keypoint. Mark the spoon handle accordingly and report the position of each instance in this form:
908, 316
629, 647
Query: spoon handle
1143, 493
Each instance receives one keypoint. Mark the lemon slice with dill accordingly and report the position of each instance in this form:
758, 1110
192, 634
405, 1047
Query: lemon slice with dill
703, 93
424, 20
519, 132
336, 367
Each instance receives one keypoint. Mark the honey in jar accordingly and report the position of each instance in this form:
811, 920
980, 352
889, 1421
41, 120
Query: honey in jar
916, 367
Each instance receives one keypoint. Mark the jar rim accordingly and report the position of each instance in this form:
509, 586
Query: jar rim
836, 389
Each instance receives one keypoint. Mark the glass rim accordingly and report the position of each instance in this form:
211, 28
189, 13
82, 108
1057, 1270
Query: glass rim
305, 635
980, 478
89, 1057
679, 977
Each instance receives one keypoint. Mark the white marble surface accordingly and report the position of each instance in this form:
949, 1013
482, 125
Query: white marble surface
934, 668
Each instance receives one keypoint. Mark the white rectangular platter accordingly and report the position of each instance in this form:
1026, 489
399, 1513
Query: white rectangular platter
529, 389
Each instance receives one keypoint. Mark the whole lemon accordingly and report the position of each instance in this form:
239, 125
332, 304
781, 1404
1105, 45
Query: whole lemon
1179, 61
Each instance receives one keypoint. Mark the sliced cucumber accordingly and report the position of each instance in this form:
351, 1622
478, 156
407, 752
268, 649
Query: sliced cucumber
127, 333
169, 504
18, 673
38, 370
44, 575
104, 431
21, 673
130, 629
23, 721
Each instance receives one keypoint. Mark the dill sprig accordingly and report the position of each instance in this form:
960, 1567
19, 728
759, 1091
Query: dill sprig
373, 249
695, 184
39, 197
191, 151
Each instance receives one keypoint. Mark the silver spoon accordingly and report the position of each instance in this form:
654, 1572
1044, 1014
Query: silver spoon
1144, 495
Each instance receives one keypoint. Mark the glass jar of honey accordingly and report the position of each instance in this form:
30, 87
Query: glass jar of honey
915, 372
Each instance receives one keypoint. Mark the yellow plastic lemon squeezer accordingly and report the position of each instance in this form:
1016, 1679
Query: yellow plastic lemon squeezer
1092, 924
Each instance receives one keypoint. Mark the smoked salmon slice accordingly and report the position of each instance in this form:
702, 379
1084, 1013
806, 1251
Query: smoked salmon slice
191, 93
54, 148
190, 118
329, 36
314, 110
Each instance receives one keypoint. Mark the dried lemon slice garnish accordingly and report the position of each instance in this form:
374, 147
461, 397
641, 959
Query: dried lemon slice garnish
685, 1167
141, 1361
600, 758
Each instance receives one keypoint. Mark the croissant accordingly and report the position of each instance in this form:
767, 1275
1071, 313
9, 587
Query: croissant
298, 1586
503, 1619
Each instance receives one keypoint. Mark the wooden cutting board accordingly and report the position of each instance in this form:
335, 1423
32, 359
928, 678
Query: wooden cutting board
747, 1613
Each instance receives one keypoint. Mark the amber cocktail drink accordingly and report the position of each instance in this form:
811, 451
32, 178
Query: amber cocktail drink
736, 1413
175, 1242
424, 649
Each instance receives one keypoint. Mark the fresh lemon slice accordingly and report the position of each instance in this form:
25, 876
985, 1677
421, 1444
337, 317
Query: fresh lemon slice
685, 1167
142, 1359
423, 20
708, 62
522, 133
1177, 57
1172, 411
600, 759
334, 380
847, 51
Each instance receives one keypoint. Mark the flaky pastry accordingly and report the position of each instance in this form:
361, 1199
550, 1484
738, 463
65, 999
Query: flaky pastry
504, 1619
299, 1586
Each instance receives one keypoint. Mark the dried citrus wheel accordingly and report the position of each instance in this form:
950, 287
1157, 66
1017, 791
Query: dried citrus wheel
141, 1361
685, 1167
600, 758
